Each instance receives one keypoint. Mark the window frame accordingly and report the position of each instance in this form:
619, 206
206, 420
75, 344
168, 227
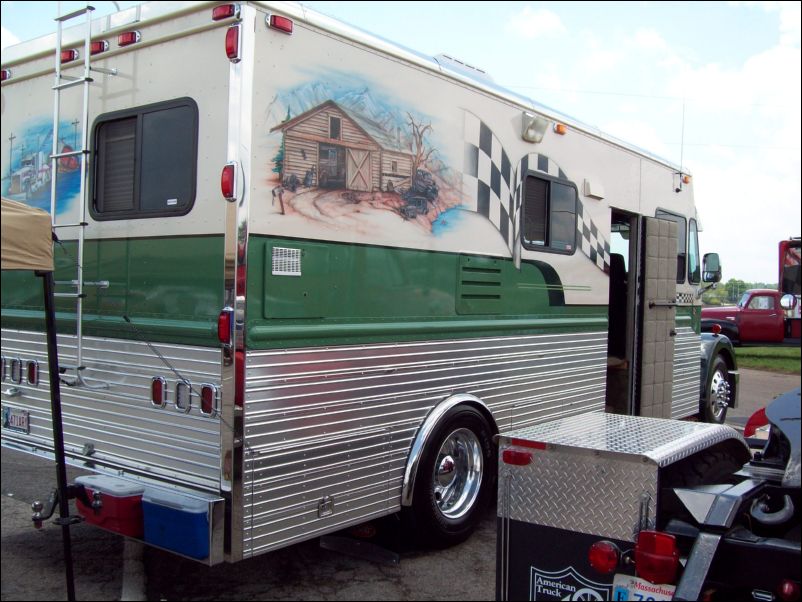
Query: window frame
547, 248
693, 240
137, 212
338, 119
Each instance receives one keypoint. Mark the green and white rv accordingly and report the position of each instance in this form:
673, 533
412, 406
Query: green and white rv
306, 275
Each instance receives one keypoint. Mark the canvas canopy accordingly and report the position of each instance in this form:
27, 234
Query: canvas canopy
27, 242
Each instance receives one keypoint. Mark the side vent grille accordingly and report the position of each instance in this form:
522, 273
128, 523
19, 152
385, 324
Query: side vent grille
479, 286
286, 262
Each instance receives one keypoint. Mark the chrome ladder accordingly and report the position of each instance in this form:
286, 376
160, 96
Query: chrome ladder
62, 83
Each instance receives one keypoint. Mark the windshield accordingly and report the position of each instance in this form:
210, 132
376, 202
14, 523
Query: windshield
743, 301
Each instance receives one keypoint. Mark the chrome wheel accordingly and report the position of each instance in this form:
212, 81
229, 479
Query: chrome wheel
719, 396
458, 473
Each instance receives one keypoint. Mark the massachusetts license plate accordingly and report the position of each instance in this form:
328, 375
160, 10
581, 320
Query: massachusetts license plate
626, 587
17, 420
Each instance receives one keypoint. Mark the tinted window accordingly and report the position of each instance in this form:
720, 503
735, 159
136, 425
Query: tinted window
145, 161
548, 215
694, 261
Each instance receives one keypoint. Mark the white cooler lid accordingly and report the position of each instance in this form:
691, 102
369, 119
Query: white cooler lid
111, 485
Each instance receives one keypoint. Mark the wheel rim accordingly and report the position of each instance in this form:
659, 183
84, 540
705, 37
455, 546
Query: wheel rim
720, 394
458, 473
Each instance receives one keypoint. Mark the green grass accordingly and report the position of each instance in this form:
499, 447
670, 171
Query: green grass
785, 360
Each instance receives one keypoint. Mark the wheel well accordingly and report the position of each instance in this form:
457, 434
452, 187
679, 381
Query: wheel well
429, 424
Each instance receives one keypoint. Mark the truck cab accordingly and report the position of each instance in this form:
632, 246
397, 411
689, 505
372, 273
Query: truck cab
757, 318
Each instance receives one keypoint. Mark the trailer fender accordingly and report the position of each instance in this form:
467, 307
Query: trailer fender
424, 432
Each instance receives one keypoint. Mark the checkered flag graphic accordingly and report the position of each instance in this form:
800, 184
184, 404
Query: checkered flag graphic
493, 188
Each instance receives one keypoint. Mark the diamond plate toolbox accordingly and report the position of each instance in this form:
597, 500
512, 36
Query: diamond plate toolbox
595, 473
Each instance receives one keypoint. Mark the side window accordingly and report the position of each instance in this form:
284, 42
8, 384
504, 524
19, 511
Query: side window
761, 302
145, 161
694, 263
548, 220
682, 240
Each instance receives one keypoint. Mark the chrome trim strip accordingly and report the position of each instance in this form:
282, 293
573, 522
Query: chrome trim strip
425, 431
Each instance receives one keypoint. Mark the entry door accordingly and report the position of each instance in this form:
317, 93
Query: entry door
358, 170
658, 296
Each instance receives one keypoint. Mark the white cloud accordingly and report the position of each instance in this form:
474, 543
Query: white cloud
532, 24
649, 39
7, 38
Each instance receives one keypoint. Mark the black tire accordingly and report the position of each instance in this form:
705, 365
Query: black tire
455, 480
718, 393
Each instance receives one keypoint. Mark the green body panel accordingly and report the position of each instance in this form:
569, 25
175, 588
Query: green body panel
690, 316
357, 293
170, 288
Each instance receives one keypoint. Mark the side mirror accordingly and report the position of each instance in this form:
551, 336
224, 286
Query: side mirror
711, 271
788, 302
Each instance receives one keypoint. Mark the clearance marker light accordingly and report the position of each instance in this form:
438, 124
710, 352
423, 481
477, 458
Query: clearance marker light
225, 11
33, 373
280, 23
559, 128
69, 55
6, 74
128, 38
232, 43
208, 403
98, 47
227, 182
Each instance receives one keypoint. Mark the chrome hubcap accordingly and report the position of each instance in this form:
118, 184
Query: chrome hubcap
458, 473
720, 393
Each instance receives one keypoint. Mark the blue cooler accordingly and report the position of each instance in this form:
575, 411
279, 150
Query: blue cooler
176, 522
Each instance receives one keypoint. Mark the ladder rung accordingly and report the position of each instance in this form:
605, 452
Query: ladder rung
98, 283
71, 83
77, 13
70, 295
69, 154
81, 224
103, 70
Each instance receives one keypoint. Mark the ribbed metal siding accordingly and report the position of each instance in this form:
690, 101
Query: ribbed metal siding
339, 422
687, 372
127, 431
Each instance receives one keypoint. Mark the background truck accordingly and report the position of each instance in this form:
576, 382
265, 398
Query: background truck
265, 363
764, 316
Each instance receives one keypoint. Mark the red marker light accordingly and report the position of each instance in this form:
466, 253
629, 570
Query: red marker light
128, 38
6, 74
33, 373
228, 183
224, 326
755, 421
225, 11
603, 556
232, 43
158, 387
98, 47
516, 457
656, 557
208, 403
280, 23
69, 55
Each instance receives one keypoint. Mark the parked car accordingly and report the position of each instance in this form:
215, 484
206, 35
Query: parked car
759, 317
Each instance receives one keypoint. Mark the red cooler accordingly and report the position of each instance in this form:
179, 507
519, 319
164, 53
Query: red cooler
122, 504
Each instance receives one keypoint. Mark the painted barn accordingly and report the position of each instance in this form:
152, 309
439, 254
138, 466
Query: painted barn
330, 147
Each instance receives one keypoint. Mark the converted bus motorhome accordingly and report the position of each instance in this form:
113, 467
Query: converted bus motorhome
306, 275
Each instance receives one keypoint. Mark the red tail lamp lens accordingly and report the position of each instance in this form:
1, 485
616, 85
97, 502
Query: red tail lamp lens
33, 373
516, 457
224, 326
208, 402
158, 387
603, 556
656, 557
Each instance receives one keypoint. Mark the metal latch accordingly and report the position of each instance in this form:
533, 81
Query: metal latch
325, 507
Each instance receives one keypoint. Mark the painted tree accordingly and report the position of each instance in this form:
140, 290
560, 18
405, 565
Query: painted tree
417, 143
278, 160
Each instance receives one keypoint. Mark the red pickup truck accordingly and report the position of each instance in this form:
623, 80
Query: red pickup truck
758, 318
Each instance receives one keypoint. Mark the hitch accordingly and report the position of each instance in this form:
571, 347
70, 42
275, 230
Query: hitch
43, 511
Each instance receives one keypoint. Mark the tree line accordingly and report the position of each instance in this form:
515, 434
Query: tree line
728, 293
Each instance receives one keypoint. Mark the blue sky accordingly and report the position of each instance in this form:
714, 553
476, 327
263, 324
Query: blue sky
631, 69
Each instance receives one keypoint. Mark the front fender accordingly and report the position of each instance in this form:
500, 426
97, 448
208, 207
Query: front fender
713, 345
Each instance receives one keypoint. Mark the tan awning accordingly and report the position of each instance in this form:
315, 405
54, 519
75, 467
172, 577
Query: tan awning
27, 242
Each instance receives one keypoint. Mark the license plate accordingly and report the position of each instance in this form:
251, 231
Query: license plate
626, 587
16, 420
